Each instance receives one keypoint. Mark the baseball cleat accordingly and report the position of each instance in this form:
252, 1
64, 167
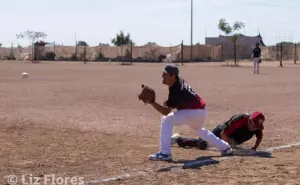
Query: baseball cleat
160, 157
174, 138
227, 152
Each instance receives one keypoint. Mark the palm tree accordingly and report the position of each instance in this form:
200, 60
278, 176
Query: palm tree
228, 30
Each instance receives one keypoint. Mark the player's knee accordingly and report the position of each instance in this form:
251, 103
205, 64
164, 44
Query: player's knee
203, 133
164, 119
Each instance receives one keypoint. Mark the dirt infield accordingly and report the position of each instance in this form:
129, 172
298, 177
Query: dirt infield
72, 119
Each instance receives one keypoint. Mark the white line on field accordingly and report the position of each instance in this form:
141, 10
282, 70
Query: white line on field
195, 163
282, 147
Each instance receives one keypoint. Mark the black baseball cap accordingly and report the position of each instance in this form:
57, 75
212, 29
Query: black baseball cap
171, 69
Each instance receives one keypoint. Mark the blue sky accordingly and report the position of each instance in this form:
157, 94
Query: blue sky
162, 21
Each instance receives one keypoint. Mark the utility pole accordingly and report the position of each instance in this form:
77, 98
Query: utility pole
191, 30
75, 47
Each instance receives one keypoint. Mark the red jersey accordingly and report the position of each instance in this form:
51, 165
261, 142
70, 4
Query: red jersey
182, 96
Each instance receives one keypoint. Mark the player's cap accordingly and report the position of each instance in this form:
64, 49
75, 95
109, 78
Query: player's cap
258, 119
171, 69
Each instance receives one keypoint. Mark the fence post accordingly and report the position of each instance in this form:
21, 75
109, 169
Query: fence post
54, 52
295, 54
277, 55
191, 54
75, 54
221, 54
281, 54
33, 52
234, 53
131, 52
100, 54
84, 54
182, 53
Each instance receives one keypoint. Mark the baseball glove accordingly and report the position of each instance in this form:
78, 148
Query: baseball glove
147, 95
259, 61
192, 143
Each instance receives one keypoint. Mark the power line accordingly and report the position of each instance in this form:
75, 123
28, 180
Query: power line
265, 5
253, 3
231, 11
217, 6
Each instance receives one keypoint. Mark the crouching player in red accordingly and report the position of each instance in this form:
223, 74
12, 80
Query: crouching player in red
235, 131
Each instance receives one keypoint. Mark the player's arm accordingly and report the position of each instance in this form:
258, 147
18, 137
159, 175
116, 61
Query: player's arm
259, 136
252, 54
160, 108
225, 137
259, 52
171, 103
235, 122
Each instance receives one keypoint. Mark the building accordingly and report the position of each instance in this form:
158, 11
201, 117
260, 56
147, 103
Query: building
244, 45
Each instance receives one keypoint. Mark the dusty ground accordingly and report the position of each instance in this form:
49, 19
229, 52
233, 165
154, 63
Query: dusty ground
71, 119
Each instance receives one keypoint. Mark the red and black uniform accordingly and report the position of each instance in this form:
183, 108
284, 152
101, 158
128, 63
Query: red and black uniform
182, 96
256, 52
236, 128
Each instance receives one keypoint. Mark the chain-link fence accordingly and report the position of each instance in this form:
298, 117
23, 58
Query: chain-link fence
281, 52
145, 53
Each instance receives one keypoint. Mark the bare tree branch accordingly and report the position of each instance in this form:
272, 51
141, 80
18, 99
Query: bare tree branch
31, 35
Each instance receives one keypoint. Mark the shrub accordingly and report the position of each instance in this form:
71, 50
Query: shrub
10, 57
49, 56
100, 56
127, 54
74, 57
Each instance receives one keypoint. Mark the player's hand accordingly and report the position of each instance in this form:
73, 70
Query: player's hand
253, 148
232, 143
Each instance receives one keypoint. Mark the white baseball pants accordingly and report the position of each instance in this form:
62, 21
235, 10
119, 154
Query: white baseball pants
194, 118
256, 65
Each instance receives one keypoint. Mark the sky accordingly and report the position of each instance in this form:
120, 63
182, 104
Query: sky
165, 22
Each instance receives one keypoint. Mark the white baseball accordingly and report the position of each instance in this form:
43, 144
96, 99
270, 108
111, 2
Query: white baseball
25, 75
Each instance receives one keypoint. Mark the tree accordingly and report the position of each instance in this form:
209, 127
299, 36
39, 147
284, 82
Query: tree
151, 43
103, 44
122, 39
32, 36
82, 43
231, 30
287, 43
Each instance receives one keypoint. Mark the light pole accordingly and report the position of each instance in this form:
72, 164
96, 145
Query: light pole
191, 57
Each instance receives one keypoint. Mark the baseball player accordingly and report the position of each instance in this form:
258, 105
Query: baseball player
256, 54
237, 130
191, 111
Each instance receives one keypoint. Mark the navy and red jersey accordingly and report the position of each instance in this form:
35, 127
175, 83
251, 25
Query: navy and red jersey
236, 128
256, 52
182, 96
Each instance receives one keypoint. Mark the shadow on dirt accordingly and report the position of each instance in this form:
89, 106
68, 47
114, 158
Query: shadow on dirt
190, 164
209, 160
246, 152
